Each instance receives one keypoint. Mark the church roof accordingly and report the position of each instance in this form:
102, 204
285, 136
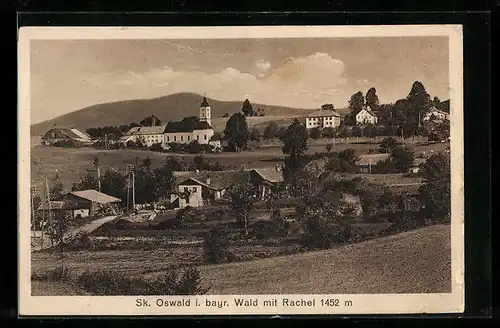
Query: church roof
186, 126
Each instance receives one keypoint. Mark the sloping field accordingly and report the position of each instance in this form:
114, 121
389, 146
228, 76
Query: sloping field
413, 262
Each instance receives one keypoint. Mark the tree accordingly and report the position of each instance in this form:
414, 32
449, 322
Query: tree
356, 103
113, 183
236, 132
164, 182
144, 180
315, 133
247, 109
255, 135
372, 100
403, 159
242, 200
151, 121
271, 130
435, 192
388, 144
59, 229
56, 190
436, 102
327, 107
329, 132
419, 100
89, 181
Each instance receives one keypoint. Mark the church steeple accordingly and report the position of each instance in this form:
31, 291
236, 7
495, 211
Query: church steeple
205, 111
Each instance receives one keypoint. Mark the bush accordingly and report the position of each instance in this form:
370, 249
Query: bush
388, 144
66, 144
190, 214
264, 229
216, 246
315, 133
156, 147
172, 283
328, 132
321, 233
54, 274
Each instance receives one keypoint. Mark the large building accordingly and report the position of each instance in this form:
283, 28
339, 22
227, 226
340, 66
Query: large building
55, 135
183, 132
323, 118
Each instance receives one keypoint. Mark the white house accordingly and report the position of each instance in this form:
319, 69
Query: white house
149, 135
436, 114
366, 116
197, 189
323, 118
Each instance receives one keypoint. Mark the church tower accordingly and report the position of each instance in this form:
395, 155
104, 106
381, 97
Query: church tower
205, 115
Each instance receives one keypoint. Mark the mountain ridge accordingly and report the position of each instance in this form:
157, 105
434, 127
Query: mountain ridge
166, 108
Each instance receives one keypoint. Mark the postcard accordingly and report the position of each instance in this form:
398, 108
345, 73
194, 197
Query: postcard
268, 170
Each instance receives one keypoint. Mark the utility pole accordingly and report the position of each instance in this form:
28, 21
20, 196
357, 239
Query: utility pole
49, 205
133, 187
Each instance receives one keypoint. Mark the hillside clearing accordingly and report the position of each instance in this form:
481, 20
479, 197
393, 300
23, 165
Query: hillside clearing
418, 261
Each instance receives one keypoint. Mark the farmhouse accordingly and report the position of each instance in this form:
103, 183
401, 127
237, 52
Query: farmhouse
202, 188
89, 202
366, 116
266, 178
436, 114
323, 118
147, 135
56, 135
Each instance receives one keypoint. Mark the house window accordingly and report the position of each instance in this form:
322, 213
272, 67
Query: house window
197, 137
205, 136
188, 138
175, 138
182, 138
186, 189
168, 138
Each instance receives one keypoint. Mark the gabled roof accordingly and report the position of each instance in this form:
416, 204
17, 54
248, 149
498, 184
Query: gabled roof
324, 113
368, 111
371, 159
219, 180
95, 196
81, 134
54, 205
70, 134
270, 174
435, 109
147, 130
186, 126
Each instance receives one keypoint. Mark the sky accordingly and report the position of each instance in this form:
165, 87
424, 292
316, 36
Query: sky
68, 75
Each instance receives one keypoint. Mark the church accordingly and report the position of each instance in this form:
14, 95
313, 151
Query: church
183, 132
188, 130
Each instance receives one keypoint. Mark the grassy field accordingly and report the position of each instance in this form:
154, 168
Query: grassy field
412, 262
70, 164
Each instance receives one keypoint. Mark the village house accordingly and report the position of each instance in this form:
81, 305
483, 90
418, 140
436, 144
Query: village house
265, 179
323, 118
147, 135
366, 116
436, 114
202, 188
55, 135
89, 202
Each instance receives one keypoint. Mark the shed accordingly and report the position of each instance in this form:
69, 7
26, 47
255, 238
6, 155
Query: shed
88, 202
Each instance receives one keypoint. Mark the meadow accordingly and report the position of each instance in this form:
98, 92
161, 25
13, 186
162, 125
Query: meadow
401, 263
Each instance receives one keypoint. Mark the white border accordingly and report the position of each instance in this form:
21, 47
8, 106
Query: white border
364, 304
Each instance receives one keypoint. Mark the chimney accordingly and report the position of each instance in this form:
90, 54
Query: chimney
207, 181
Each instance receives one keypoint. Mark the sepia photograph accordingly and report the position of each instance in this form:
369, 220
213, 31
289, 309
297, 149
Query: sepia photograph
271, 170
